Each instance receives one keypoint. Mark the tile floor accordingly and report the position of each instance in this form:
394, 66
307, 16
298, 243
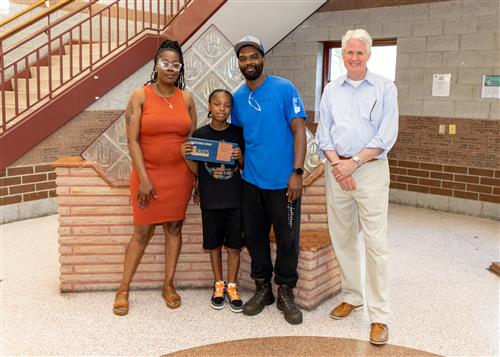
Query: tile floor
444, 300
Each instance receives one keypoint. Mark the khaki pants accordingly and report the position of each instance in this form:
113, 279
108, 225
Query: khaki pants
366, 205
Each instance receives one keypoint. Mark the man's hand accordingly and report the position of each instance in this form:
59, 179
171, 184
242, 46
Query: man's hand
343, 169
348, 184
294, 187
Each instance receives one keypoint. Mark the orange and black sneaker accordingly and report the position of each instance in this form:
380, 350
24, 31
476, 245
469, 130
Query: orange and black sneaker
233, 298
217, 300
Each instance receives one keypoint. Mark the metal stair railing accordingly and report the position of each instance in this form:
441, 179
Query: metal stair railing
65, 46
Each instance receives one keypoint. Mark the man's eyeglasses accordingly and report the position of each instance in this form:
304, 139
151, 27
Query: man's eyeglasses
253, 103
176, 66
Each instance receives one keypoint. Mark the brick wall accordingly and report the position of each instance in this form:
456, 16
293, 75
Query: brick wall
465, 165
446, 180
95, 225
27, 183
32, 177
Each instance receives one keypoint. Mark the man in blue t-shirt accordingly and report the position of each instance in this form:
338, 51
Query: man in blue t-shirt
270, 111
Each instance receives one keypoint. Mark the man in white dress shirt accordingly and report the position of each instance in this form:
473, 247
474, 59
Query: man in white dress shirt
358, 126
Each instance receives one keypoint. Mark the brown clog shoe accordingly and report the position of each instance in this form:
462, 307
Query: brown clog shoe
120, 306
172, 299
379, 334
343, 310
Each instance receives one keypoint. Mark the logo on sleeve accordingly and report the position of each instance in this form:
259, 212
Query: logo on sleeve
296, 104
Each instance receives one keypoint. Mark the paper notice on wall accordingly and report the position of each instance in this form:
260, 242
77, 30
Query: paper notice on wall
491, 86
441, 85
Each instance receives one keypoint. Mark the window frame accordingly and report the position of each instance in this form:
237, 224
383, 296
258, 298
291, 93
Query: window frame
328, 45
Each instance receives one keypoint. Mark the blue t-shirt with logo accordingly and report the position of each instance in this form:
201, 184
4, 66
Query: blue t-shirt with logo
265, 116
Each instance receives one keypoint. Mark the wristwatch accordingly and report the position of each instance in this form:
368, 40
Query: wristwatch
299, 171
357, 160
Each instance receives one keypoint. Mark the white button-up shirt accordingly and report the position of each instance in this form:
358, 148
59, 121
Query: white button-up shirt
354, 118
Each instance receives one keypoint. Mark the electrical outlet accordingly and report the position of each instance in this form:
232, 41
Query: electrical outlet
452, 129
442, 129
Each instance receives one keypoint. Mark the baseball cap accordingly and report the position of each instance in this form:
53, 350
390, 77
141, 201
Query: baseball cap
249, 41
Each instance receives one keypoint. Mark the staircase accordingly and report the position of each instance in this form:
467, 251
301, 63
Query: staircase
50, 75
54, 72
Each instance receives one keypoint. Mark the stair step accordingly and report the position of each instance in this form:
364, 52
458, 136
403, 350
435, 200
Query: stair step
10, 112
21, 98
56, 60
86, 48
56, 73
44, 85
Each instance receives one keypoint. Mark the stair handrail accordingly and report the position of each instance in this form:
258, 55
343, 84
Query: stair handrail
18, 69
34, 19
22, 12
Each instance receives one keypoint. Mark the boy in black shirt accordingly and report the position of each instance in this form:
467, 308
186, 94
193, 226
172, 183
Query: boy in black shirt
220, 194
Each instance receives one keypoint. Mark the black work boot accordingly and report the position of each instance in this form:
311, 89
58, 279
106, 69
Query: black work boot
263, 296
285, 303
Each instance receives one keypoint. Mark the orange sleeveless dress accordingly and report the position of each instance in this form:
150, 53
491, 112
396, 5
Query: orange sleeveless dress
163, 130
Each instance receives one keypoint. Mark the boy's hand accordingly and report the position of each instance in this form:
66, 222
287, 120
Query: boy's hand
186, 149
236, 154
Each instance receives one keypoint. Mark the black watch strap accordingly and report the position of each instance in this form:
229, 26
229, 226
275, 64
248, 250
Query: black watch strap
298, 171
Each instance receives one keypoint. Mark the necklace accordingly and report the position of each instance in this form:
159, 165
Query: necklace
169, 103
165, 99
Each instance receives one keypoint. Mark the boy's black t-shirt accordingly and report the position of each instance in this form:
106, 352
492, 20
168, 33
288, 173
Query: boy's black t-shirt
220, 184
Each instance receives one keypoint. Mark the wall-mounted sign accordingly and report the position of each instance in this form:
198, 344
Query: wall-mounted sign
491, 86
441, 85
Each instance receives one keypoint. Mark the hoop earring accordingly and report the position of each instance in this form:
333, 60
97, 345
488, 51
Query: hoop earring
154, 76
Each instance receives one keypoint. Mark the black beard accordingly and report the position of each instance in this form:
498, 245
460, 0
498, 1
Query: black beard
258, 71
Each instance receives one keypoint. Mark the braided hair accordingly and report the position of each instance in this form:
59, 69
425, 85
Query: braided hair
169, 45
209, 115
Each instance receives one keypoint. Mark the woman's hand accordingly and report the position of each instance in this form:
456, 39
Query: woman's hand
186, 149
146, 190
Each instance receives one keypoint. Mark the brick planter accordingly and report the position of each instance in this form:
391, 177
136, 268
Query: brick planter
95, 225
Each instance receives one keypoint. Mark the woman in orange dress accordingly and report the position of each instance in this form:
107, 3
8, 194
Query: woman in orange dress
159, 117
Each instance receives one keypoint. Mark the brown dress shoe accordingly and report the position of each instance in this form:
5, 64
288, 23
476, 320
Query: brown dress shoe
343, 310
379, 333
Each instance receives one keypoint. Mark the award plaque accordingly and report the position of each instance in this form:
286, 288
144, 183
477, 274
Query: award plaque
211, 151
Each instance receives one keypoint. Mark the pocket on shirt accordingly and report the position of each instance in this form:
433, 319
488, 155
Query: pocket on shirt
370, 110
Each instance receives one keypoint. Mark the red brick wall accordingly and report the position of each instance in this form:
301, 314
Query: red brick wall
27, 183
464, 165
446, 180
32, 176
95, 225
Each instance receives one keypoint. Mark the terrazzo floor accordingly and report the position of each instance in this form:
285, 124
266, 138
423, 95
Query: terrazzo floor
444, 300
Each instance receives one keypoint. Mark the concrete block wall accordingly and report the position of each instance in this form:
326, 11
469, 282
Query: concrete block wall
95, 225
457, 37
460, 37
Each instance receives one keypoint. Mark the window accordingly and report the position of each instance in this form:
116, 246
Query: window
4, 8
382, 60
